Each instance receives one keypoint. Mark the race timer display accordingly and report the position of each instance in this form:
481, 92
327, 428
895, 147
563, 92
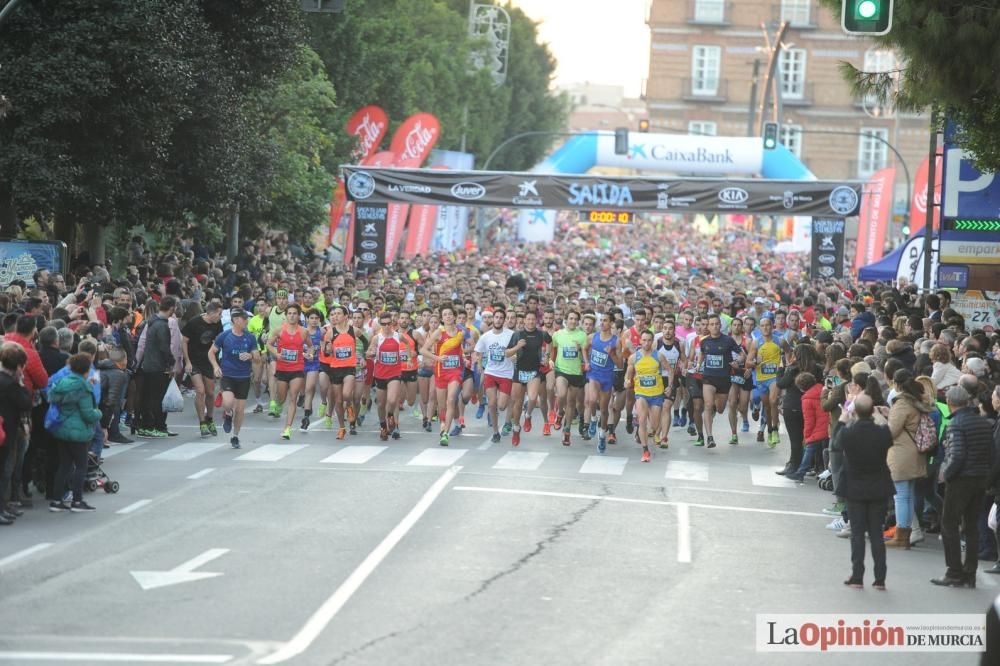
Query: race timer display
607, 217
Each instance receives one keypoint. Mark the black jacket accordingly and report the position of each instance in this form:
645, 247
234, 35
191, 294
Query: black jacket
53, 359
114, 382
792, 400
866, 472
994, 480
968, 445
15, 402
157, 356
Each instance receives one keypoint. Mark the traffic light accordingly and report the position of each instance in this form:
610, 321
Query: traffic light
770, 136
621, 141
866, 17
643, 125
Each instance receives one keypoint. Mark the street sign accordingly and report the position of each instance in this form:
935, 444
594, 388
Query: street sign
970, 203
953, 277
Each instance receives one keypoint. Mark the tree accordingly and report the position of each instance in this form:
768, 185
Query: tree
950, 61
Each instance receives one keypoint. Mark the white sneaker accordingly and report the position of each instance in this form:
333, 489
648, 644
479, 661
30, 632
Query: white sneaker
845, 533
837, 524
916, 536
826, 474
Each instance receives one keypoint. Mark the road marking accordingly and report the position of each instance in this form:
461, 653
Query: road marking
325, 613
130, 658
271, 452
204, 472
687, 470
355, 455
683, 533
525, 461
21, 554
135, 506
486, 445
629, 500
110, 451
182, 573
763, 475
612, 465
437, 457
188, 451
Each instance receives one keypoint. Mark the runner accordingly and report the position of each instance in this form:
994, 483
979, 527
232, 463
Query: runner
361, 393
567, 348
312, 365
602, 350
499, 371
696, 402
385, 350
444, 347
716, 352
644, 373
238, 351
198, 335
547, 389
764, 357
633, 337
410, 361
339, 356
527, 346
290, 346
742, 385
425, 373
670, 352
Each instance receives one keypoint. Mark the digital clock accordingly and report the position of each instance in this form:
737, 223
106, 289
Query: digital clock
607, 217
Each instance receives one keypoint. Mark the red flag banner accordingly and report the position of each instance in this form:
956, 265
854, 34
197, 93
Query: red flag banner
876, 205
369, 124
412, 142
918, 201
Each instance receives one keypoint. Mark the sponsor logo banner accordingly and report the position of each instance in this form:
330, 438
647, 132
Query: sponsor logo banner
368, 125
827, 248
874, 220
585, 192
918, 205
369, 237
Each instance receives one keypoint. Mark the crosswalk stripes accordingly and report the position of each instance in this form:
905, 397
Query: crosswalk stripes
684, 470
437, 457
610, 465
524, 461
763, 475
271, 452
354, 455
188, 451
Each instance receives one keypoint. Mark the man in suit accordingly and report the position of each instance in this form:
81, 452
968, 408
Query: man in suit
869, 486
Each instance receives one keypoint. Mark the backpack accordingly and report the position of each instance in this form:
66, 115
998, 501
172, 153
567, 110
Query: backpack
926, 438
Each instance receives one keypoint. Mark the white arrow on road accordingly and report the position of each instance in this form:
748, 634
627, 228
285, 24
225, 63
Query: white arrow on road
182, 573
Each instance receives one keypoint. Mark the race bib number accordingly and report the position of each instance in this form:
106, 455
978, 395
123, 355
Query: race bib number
341, 353
738, 379
769, 368
598, 358
713, 361
404, 356
389, 358
525, 376
289, 355
570, 352
647, 382
451, 362
497, 356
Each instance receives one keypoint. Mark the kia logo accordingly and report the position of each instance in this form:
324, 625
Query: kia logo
368, 257
826, 258
369, 245
468, 191
733, 195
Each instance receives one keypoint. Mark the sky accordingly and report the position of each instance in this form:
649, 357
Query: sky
600, 41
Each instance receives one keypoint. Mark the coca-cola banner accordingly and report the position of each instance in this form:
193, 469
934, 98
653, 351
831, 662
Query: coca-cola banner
918, 205
415, 138
827, 248
591, 192
369, 238
368, 125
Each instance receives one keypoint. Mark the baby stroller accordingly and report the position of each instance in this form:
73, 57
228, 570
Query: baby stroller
96, 478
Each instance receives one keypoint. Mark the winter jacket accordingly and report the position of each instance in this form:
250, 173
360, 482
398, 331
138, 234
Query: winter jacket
968, 445
73, 396
995, 468
53, 359
157, 356
792, 399
114, 382
862, 321
906, 357
945, 376
832, 399
15, 402
817, 421
866, 474
905, 461
35, 377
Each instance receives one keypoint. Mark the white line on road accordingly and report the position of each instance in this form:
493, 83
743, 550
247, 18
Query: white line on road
437, 457
683, 533
354, 455
21, 554
204, 472
763, 475
271, 452
129, 658
486, 445
525, 461
685, 470
188, 451
134, 506
629, 500
611, 465
325, 614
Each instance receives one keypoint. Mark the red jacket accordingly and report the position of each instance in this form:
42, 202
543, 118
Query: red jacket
817, 421
35, 376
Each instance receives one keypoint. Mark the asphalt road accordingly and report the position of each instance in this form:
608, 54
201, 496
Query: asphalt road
370, 552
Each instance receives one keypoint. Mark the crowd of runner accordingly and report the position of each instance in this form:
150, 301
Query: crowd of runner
656, 337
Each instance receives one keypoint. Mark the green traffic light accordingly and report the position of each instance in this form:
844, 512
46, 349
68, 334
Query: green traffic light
866, 17
867, 10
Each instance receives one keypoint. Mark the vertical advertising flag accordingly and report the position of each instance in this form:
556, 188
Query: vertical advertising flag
827, 248
876, 204
918, 200
368, 125
382, 159
412, 144
452, 221
369, 240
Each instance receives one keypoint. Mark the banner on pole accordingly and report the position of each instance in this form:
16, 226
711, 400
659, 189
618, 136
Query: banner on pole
827, 248
369, 237
876, 205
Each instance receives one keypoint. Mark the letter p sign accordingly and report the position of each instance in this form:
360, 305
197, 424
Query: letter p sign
987, 204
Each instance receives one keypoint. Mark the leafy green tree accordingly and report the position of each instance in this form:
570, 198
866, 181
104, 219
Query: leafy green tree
950, 61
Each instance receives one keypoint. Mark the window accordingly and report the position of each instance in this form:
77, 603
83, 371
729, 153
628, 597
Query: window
702, 128
791, 138
792, 64
879, 60
796, 12
872, 153
705, 70
709, 11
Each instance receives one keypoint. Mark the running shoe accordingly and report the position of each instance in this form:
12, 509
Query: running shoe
546, 429
495, 438
558, 423
304, 426
664, 444
552, 416
684, 419
691, 430
416, 413
700, 441
734, 440
321, 412
676, 422
836, 524
341, 433
286, 433
656, 438
444, 439
383, 433
170, 433
566, 438
350, 412
354, 429
527, 424
628, 423
602, 443
328, 421
773, 439
646, 455
461, 422
456, 430
391, 422
81, 507
227, 422
756, 413
212, 430
515, 439
481, 410
593, 427
258, 409
746, 426
56, 507
760, 435
507, 428
427, 425
835, 510
273, 411
204, 430
711, 442
612, 438
301, 401
395, 433
234, 442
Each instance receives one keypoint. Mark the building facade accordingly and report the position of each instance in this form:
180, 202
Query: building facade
701, 79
